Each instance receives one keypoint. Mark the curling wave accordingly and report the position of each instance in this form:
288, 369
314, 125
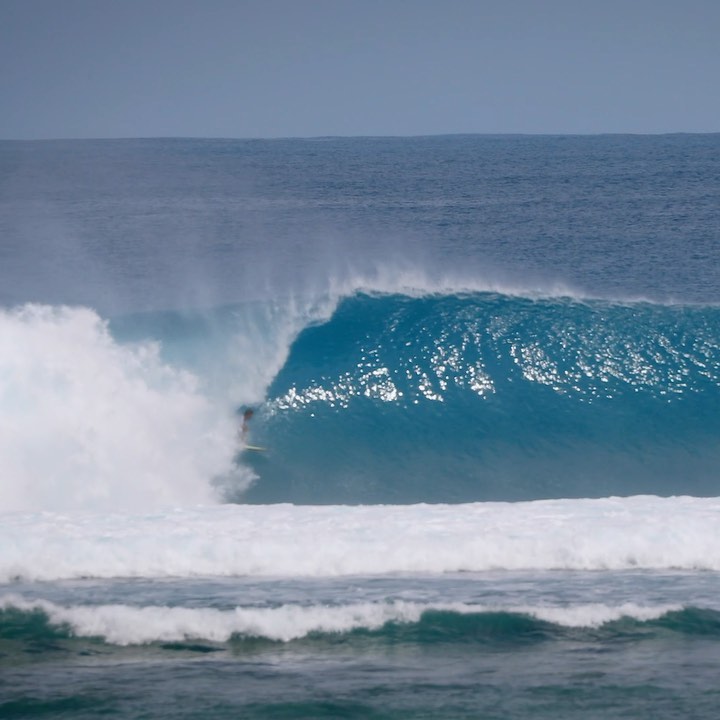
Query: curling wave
480, 396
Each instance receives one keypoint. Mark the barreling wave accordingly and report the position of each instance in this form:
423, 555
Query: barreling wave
371, 397
480, 396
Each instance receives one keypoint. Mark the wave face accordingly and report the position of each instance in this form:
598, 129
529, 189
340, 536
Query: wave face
482, 396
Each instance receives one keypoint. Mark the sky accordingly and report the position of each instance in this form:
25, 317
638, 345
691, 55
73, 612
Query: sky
308, 68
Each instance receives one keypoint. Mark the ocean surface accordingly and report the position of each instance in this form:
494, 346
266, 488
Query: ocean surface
485, 375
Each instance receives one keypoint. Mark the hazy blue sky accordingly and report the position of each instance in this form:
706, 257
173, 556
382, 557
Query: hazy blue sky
269, 68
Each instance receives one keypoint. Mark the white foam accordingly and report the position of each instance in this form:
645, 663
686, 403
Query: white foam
87, 423
128, 625
327, 541
597, 614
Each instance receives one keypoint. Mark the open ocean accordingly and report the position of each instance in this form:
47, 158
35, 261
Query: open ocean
486, 379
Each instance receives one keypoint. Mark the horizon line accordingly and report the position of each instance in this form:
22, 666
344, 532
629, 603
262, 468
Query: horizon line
72, 138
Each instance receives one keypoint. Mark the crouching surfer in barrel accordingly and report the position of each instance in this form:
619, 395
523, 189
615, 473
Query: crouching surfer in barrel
245, 427
244, 431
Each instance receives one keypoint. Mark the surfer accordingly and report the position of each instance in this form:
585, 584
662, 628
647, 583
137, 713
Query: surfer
247, 415
244, 431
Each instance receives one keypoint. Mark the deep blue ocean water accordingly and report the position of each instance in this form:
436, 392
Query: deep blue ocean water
485, 372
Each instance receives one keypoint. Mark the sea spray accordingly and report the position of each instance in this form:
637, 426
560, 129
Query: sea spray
138, 412
87, 423
234, 351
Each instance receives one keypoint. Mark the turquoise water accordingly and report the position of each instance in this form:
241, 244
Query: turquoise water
485, 372
484, 663
489, 397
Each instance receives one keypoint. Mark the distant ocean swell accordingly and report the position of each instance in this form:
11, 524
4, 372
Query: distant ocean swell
390, 622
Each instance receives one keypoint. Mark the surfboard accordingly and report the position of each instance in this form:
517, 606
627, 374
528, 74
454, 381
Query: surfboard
254, 447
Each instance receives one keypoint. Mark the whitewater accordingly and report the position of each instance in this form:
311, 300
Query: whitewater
485, 374
330, 541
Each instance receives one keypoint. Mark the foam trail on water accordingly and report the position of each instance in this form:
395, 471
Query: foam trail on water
333, 541
128, 625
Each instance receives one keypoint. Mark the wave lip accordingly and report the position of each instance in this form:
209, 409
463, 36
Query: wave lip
643, 532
